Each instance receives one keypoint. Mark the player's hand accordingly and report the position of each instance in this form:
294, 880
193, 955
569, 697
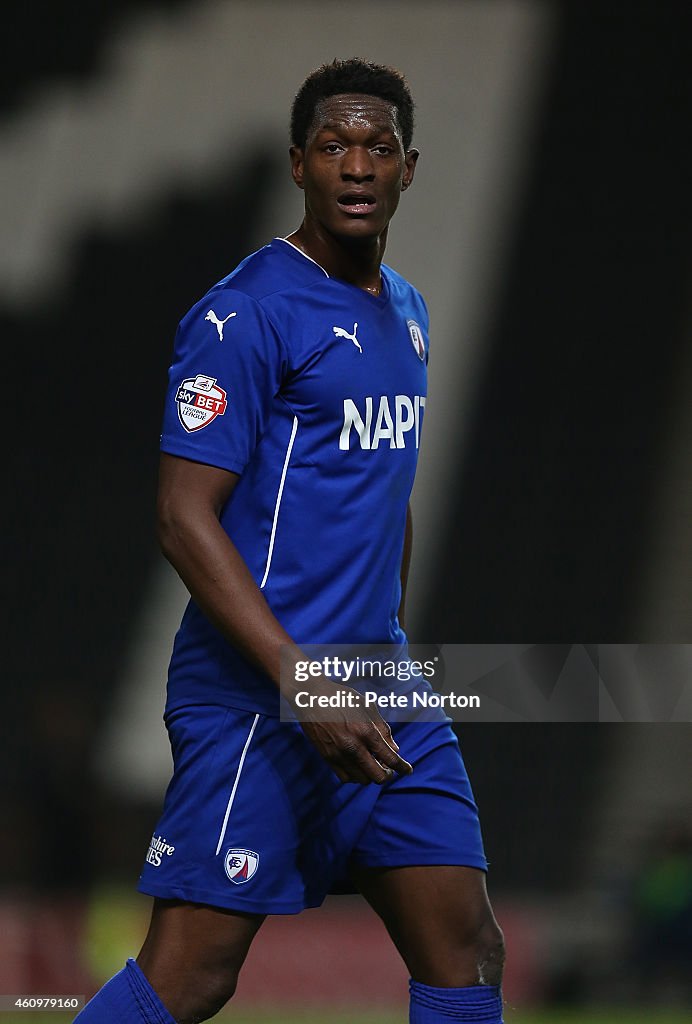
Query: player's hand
356, 742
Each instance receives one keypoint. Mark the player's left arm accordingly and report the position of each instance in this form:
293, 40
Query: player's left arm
405, 563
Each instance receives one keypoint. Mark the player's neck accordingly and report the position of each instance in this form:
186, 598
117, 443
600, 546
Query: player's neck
357, 262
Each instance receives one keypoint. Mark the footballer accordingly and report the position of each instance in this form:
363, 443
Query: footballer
292, 427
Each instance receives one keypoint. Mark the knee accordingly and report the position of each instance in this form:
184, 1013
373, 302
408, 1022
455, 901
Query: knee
460, 957
490, 953
194, 991
208, 993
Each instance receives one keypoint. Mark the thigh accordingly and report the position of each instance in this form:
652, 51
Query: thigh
438, 916
420, 863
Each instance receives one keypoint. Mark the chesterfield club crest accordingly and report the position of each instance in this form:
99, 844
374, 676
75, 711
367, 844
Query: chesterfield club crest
241, 865
416, 336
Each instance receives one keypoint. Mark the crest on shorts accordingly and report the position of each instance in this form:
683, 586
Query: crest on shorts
200, 400
416, 338
240, 865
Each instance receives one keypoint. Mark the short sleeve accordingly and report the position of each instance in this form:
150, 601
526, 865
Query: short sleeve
227, 368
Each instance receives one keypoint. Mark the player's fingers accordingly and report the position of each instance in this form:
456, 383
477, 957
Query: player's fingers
380, 747
384, 774
375, 772
388, 757
360, 764
385, 730
348, 771
376, 766
354, 773
341, 774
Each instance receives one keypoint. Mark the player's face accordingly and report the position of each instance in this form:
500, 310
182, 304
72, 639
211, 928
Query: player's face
354, 168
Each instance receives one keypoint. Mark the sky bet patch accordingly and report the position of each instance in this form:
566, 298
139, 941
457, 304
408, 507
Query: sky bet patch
200, 400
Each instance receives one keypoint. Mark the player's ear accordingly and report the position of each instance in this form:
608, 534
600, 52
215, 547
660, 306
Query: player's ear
297, 164
410, 161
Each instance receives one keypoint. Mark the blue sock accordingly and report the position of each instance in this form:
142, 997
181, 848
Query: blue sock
477, 1004
127, 998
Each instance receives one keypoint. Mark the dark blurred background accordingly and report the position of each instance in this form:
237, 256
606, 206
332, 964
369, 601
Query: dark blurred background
143, 154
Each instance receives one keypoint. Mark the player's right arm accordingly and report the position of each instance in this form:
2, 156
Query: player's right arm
357, 744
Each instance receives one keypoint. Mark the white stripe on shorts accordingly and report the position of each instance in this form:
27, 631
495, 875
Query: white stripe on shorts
235, 785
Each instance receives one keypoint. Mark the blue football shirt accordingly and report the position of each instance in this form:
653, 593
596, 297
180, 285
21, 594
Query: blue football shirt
313, 391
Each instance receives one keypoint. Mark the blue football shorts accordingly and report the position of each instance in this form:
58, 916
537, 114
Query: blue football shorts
255, 820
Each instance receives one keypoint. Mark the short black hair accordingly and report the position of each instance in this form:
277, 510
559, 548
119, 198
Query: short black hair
355, 76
